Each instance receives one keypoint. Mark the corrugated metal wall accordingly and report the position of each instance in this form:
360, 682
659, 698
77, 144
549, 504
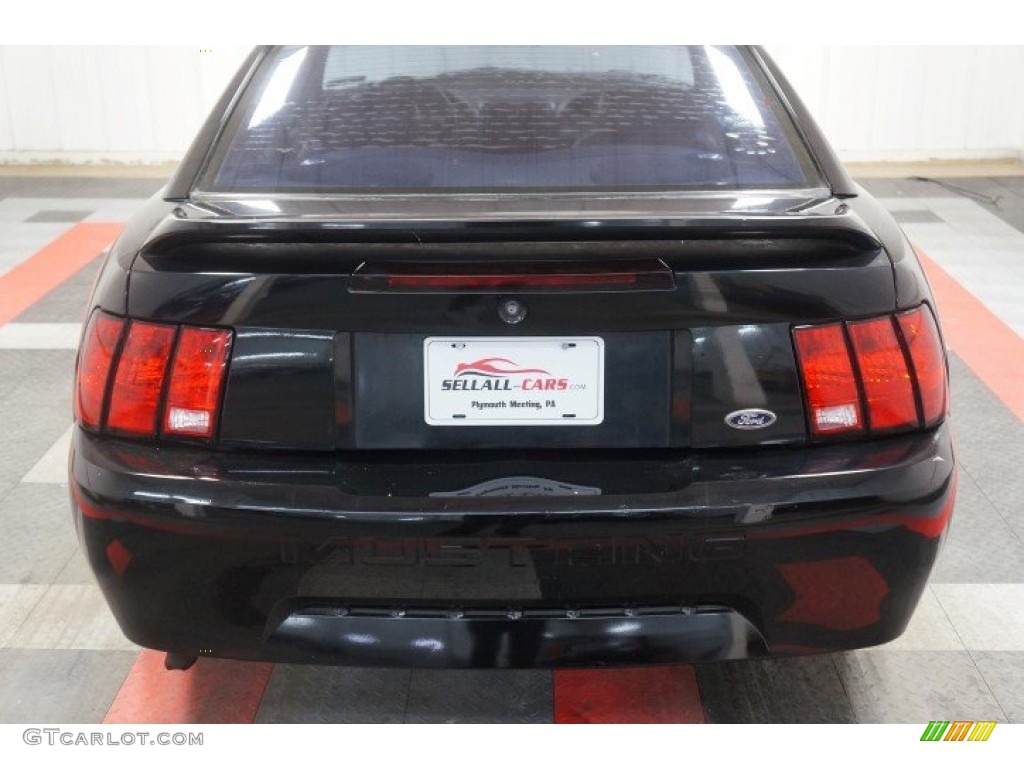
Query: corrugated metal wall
875, 103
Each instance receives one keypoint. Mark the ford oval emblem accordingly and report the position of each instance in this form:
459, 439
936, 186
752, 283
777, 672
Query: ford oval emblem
750, 418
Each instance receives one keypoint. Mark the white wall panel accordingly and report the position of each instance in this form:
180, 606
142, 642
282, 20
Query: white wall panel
125, 96
874, 102
6, 129
947, 81
896, 98
997, 97
175, 111
79, 117
912, 102
32, 98
849, 83
94, 103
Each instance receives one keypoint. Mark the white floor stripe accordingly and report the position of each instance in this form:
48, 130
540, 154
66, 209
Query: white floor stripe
981, 251
71, 616
40, 335
988, 617
53, 466
115, 209
16, 603
929, 630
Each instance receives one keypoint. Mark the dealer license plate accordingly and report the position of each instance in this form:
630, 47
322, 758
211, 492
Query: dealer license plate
519, 381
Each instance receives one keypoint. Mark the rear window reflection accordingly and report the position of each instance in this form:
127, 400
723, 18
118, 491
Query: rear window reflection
506, 119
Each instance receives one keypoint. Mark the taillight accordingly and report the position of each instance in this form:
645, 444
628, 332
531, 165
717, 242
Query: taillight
876, 382
832, 398
196, 380
140, 378
143, 388
98, 348
888, 389
921, 335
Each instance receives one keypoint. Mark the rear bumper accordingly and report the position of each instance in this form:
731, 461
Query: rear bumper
770, 552
512, 638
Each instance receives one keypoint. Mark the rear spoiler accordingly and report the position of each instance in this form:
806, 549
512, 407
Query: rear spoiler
297, 245
183, 229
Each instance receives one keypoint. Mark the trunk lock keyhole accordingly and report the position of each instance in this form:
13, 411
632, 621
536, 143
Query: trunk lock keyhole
512, 311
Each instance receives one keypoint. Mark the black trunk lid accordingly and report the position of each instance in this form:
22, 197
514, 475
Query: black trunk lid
325, 359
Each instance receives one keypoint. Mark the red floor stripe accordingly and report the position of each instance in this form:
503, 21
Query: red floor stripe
985, 343
213, 691
629, 695
28, 282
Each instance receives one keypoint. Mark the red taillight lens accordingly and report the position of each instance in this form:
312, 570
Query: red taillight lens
98, 348
139, 379
140, 376
528, 277
829, 384
888, 388
197, 377
508, 282
891, 377
921, 335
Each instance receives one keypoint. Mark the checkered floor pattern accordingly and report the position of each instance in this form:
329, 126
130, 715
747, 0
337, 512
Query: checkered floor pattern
63, 659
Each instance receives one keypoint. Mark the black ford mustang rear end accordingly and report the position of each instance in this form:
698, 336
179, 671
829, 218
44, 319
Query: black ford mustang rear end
504, 357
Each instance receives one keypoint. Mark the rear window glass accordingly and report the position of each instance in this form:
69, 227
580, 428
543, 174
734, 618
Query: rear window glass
507, 119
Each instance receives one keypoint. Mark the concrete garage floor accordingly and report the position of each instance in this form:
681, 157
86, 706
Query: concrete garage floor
63, 659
